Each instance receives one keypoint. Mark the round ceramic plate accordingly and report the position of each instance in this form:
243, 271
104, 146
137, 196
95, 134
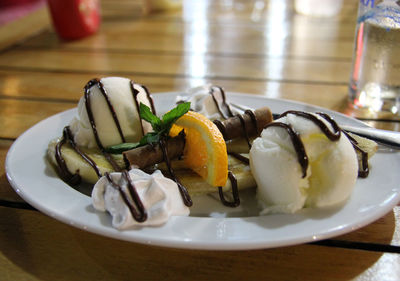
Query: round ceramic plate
210, 225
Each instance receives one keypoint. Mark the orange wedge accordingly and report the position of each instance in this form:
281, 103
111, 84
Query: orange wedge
205, 148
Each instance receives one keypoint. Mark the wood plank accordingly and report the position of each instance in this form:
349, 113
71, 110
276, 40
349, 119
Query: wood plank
18, 116
69, 87
36, 247
246, 11
60, 91
385, 231
293, 28
220, 40
6, 192
167, 65
282, 35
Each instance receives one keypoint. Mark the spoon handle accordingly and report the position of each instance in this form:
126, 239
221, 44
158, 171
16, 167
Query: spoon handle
388, 138
385, 137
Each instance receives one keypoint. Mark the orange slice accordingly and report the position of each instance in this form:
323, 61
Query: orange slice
205, 148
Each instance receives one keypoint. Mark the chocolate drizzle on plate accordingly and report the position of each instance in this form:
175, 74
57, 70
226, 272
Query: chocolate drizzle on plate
235, 192
183, 191
225, 111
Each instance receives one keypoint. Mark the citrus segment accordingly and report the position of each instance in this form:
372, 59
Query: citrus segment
205, 148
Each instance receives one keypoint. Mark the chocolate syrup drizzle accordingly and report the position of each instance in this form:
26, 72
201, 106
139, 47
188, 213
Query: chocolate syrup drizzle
65, 174
74, 179
297, 143
363, 171
183, 191
331, 135
90, 84
135, 93
136, 207
225, 111
223, 107
235, 192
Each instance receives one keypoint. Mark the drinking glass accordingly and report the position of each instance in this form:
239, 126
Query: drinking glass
375, 74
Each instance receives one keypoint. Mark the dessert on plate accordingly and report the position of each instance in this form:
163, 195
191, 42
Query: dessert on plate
146, 167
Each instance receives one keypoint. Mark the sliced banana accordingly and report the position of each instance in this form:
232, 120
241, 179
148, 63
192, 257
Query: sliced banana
197, 186
367, 145
76, 165
193, 182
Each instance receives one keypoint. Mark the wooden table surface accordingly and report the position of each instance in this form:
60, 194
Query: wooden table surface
255, 47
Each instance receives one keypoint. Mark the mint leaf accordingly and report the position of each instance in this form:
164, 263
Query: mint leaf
147, 115
174, 114
150, 138
119, 148
161, 127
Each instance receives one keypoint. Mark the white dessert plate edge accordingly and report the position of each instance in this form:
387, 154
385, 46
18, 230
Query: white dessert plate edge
36, 182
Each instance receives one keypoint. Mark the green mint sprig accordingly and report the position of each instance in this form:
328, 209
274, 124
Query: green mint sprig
161, 127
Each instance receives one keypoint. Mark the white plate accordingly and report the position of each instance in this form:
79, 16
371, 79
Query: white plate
210, 226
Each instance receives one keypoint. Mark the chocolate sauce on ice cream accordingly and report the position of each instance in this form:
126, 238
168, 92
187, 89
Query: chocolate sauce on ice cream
68, 136
232, 126
331, 135
74, 179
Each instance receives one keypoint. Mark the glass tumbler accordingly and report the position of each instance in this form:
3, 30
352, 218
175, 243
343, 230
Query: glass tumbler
375, 74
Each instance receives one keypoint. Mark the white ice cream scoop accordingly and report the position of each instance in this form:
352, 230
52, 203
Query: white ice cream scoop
108, 113
282, 186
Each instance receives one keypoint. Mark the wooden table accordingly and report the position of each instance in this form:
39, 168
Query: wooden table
245, 46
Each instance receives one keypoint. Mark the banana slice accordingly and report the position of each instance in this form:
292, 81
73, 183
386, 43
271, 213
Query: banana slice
194, 183
197, 186
367, 145
76, 165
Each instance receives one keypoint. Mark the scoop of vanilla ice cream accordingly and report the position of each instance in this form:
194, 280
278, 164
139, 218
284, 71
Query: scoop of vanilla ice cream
331, 173
202, 101
121, 97
160, 197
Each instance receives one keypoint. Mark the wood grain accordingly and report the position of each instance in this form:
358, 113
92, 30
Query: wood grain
317, 40
169, 65
42, 245
66, 86
18, 116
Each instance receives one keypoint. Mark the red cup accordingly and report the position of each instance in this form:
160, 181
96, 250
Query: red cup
75, 19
